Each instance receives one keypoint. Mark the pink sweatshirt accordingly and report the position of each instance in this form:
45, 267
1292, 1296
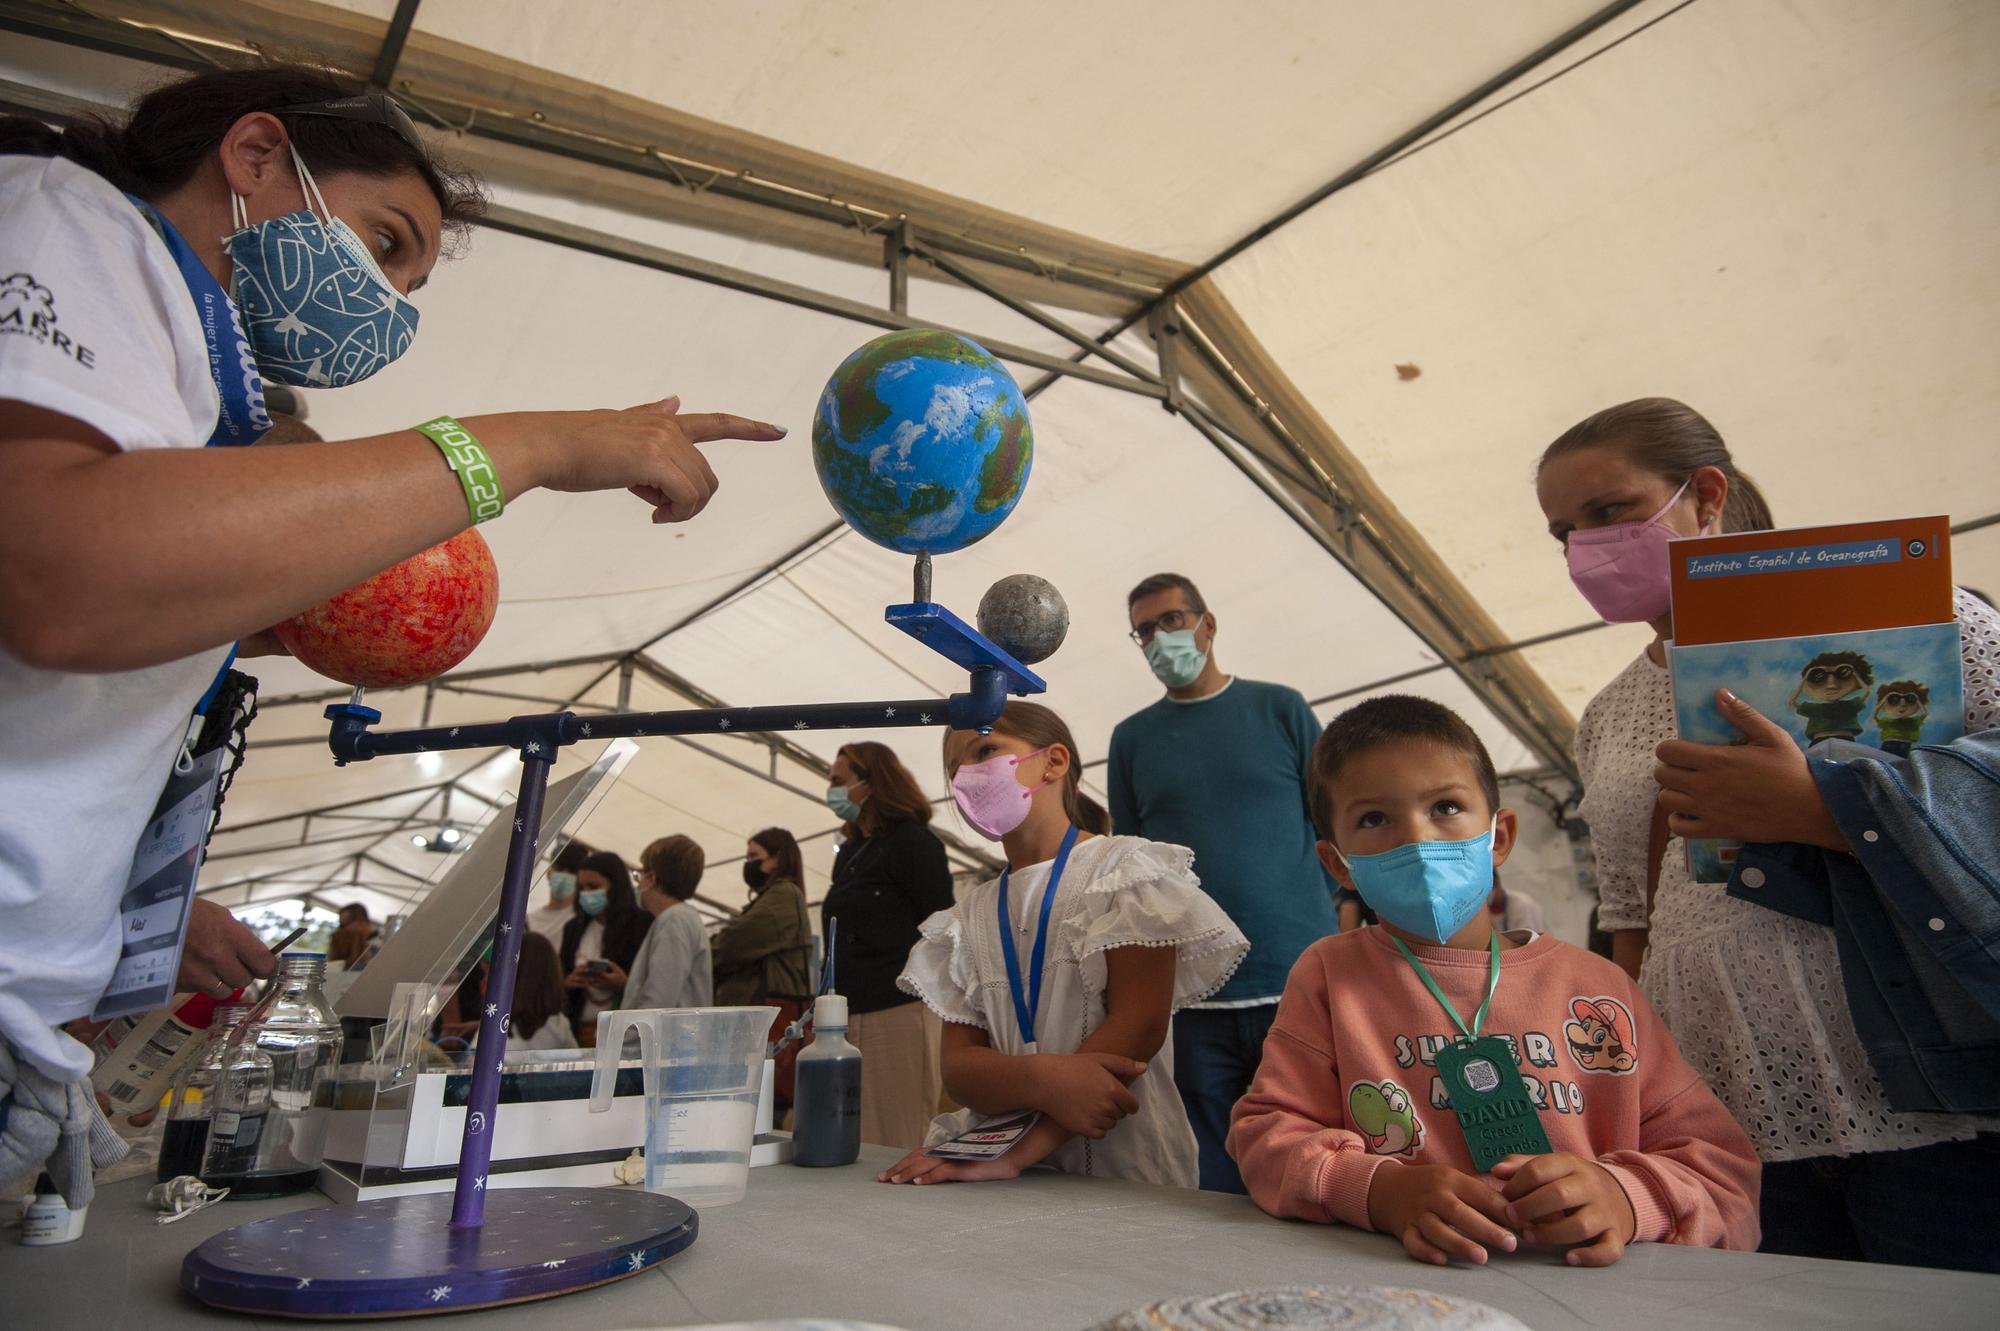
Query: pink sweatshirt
1347, 1087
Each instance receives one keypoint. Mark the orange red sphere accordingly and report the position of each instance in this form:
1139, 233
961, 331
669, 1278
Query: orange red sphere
405, 625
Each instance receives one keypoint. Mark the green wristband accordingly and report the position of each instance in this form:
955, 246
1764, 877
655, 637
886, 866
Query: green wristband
468, 461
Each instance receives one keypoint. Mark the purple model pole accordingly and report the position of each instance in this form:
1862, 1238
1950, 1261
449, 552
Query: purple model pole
475, 1153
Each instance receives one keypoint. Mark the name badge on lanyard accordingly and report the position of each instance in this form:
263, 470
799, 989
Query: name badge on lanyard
1028, 995
1484, 1088
159, 890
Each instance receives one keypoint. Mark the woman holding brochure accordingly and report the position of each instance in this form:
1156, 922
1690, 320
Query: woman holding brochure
1755, 999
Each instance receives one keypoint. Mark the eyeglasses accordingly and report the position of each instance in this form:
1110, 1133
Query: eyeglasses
1171, 622
1823, 674
372, 108
1901, 699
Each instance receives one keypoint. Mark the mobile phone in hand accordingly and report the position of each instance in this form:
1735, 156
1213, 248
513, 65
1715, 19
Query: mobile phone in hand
597, 966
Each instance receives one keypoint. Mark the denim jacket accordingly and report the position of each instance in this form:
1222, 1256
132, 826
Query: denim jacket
1915, 911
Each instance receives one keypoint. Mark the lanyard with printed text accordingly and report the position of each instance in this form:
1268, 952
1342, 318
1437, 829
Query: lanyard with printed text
1028, 999
1483, 1086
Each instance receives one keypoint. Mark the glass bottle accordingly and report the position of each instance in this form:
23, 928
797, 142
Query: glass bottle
191, 1107
294, 1030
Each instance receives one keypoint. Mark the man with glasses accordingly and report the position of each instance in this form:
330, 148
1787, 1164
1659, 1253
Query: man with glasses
1219, 765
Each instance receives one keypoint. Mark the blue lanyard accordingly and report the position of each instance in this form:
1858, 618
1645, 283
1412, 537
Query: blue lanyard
243, 418
1029, 1002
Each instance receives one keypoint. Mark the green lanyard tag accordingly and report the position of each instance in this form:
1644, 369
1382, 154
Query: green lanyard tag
1483, 1086
1490, 1101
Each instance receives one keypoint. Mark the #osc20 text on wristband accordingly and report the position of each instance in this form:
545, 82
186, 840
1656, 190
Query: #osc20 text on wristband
468, 461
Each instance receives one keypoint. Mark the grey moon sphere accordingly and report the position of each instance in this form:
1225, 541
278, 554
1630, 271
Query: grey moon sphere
1025, 616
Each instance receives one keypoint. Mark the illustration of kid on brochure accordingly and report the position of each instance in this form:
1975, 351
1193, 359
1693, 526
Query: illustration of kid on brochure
1833, 688
1901, 708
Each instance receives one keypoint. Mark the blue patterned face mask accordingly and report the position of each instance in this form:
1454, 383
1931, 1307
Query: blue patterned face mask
316, 305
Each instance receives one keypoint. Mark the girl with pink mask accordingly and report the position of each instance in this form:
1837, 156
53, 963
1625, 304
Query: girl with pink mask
1754, 998
1057, 982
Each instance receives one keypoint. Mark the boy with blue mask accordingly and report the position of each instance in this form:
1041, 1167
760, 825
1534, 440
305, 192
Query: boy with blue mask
1478, 1091
1219, 765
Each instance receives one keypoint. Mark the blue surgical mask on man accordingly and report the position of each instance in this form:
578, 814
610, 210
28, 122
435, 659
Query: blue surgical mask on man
562, 884
1175, 659
316, 305
1428, 888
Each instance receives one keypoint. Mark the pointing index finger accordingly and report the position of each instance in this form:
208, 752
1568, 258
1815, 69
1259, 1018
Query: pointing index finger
705, 426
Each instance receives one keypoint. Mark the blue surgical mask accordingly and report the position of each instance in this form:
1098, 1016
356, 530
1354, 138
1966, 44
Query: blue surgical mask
1176, 661
593, 900
562, 884
1428, 888
316, 306
843, 808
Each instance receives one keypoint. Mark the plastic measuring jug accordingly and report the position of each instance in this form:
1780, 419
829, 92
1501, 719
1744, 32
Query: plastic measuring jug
703, 1070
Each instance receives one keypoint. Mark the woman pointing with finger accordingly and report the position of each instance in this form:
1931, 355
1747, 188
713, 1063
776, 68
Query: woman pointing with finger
240, 227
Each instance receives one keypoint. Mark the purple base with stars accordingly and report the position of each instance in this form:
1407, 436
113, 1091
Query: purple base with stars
402, 1256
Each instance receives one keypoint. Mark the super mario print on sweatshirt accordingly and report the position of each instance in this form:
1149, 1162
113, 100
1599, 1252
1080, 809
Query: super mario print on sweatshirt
1348, 1085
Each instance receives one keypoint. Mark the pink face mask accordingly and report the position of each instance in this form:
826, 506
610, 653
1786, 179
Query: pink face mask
989, 796
1622, 569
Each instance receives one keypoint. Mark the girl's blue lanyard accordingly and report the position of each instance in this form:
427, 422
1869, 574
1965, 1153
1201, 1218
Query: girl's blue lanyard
1028, 999
243, 418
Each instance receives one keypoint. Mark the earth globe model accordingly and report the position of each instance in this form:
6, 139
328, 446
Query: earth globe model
922, 441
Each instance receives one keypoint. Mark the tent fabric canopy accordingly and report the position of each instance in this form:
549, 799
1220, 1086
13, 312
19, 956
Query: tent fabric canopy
1777, 213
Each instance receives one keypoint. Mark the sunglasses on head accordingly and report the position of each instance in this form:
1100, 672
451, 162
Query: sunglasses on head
371, 108
1822, 674
1902, 699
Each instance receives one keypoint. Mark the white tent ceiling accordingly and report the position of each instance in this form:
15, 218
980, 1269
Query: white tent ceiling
1783, 213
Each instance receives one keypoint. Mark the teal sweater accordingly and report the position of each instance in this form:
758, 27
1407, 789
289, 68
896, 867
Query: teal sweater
1226, 777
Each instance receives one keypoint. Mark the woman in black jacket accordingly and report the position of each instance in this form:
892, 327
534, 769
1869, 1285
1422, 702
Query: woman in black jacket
889, 876
607, 928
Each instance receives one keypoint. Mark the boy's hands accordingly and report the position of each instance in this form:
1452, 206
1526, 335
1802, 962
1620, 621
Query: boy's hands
1439, 1212
1564, 1200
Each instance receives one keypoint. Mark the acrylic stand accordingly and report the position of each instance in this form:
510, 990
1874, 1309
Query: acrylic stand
410, 1255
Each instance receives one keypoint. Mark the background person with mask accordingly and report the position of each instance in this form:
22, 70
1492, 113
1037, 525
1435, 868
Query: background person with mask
764, 955
673, 967
607, 929
889, 877
1220, 765
548, 920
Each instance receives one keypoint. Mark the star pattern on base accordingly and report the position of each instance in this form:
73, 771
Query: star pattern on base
440, 1294
305, 1282
924, 717
506, 928
550, 1266
798, 725
637, 1261
586, 730
492, 1009
888, 711
724, 723
479, 1183
520, 824
532, 746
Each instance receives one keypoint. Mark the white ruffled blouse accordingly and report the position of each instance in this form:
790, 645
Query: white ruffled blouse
1116, 892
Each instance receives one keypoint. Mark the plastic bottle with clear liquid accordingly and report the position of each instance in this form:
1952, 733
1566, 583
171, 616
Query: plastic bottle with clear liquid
295, 1031
191, 1107
826, 1100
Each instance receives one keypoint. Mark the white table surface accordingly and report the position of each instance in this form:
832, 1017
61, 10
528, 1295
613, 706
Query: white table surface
1048, 1252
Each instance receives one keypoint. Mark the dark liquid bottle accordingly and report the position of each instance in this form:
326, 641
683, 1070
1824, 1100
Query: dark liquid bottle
826, 1112
181, 1147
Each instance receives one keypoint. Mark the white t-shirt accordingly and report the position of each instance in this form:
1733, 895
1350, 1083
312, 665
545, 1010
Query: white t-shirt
549, 922
95, 323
